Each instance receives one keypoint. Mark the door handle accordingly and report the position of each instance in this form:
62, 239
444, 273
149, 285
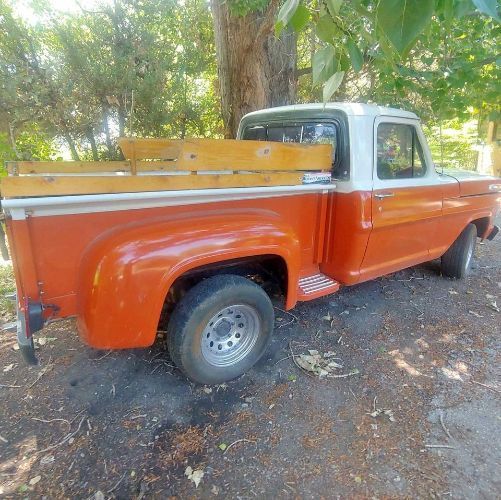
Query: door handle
380, 196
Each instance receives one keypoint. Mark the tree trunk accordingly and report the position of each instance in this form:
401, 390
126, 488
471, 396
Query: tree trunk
106, 126
90, 137
71, 144
255, 69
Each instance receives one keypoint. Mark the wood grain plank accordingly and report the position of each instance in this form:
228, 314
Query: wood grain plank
12, 187
65, 167
141, 149
226, 154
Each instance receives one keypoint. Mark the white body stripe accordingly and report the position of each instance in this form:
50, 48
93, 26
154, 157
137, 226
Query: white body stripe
81, 204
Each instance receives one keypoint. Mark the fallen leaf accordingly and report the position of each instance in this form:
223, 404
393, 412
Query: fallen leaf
473, 313
492, 305
333, 364
222, 446
194, 475
35, 480
47, 459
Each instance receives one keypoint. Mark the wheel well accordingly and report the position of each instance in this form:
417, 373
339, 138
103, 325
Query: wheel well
268, 271
482, 226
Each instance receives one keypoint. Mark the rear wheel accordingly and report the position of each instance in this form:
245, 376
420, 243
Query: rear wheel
220, 328
456, 262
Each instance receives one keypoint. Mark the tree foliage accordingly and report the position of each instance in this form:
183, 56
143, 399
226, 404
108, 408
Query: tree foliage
148, 68
129, 67
441, 50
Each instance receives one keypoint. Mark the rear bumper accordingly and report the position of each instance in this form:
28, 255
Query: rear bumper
493, 233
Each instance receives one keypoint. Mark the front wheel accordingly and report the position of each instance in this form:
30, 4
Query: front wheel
220, 329
456, 262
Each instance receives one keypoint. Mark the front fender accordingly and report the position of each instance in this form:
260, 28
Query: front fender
126, 274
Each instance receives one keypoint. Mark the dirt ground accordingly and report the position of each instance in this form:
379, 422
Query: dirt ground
422, 355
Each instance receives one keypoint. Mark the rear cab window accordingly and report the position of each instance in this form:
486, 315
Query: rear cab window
307, 132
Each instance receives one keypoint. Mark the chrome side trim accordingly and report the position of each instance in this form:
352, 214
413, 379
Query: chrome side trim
80, 204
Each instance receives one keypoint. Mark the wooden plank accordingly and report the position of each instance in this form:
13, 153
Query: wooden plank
12, 187
141, 149
65, 167
226, 154
214, 154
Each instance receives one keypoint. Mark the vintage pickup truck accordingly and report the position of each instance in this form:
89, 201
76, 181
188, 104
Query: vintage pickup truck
125, 252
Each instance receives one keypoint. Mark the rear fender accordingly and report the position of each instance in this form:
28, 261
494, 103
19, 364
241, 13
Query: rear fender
126, 274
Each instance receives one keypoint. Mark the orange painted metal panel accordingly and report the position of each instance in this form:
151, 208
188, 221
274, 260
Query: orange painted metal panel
403, 226
283, 226
349, 223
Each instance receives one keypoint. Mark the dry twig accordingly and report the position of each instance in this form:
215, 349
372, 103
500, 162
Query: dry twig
294, 318
486, 386
65, 439
52, 420
444, 427
117, 484
43, 371
440, 446
238, 441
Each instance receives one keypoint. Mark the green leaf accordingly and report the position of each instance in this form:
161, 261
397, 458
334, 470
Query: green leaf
326, 29
300, 18
462, 7
332, 85
488, 7
222, 446
403, 21
356, 57
323, 64
285, 14
334, 6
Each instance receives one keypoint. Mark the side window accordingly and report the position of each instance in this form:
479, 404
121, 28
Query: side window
399, 153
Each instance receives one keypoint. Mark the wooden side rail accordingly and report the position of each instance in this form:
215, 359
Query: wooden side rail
14, 187
66, 167
205, 163
224, 154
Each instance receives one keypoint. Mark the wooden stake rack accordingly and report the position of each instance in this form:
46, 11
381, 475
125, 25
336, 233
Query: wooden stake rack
164, 164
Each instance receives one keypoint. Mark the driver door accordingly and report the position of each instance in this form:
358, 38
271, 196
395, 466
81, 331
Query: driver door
406, 199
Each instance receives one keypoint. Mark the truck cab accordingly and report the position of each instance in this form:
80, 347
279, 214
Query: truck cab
390, 208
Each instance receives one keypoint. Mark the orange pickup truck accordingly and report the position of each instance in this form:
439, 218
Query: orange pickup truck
185, 233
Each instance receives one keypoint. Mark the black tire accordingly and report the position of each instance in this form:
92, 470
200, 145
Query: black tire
195, 326
456, 262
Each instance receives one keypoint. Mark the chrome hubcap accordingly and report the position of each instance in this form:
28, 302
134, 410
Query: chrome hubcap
230, 335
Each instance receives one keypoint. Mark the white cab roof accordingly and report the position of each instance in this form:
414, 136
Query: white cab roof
350, 108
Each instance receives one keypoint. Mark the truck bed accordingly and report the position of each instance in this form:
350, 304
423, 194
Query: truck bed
163, 164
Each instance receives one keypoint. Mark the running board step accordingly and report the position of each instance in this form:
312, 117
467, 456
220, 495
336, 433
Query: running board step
315, 286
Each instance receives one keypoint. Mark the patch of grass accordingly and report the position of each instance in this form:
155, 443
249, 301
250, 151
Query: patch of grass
7, 285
